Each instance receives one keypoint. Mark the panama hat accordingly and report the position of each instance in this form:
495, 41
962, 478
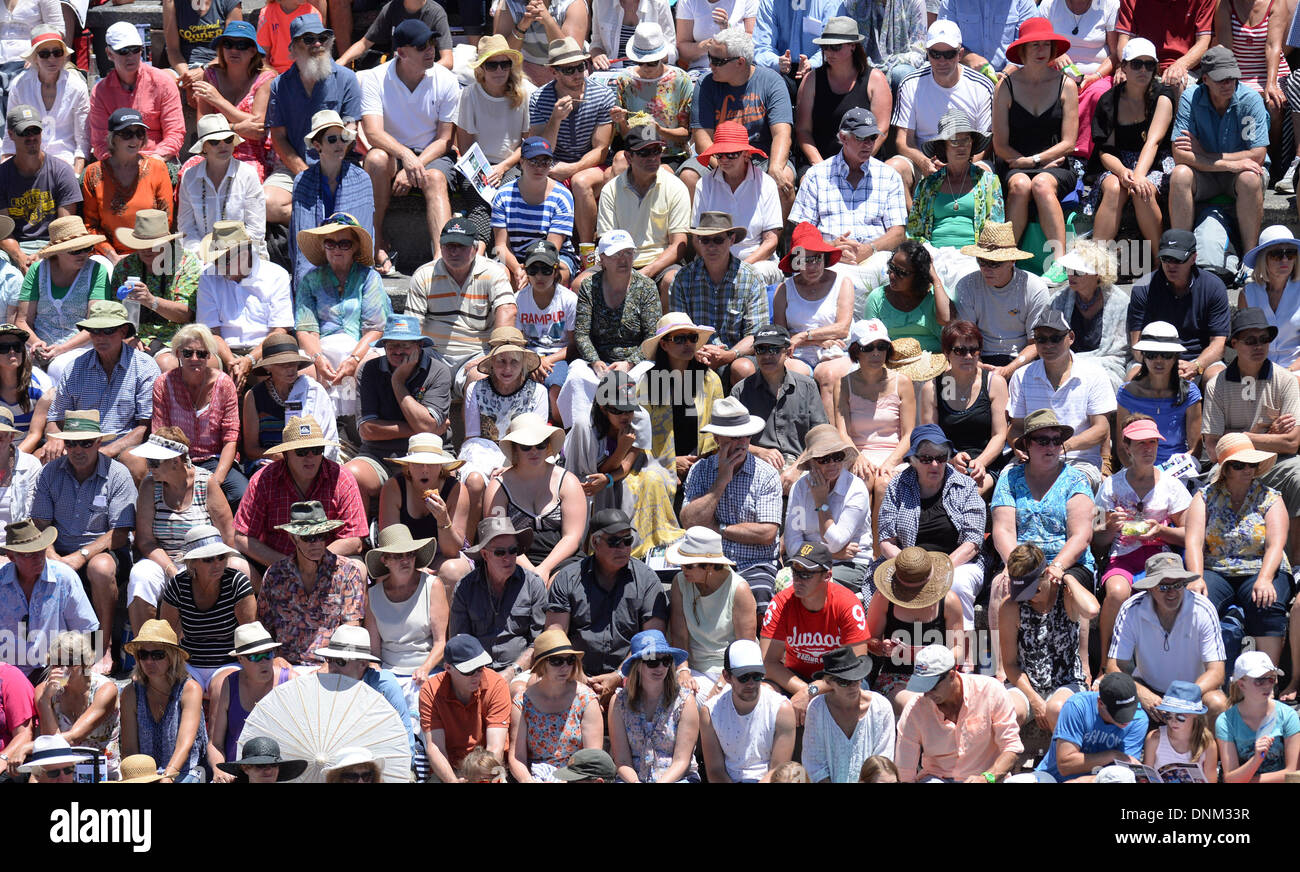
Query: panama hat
252, 638
155, 632
427, 448
953, 122
51, 750
530, 429
997, 242
300, 433
913, 362
699, 545
915, 579
79, 425
214, 126
845, 664
150, 231
397, 539
138, 769
311, 242
551, 642
7, 422
41, 34
324, 120
348, 642
729, 417
647, 44
69, 233
839, 30
562, 52
1160, 336
674, 322
308, 519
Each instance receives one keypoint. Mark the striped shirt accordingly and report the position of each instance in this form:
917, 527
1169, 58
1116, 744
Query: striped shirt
574, 139
40, 383
209, 634
526, 223
458, 318
170, 525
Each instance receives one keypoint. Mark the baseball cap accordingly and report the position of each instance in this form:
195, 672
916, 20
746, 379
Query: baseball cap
1177, 243
614, 241
588, 763
542, 251
1219, 63
123, 118
458, 230
772, 334
1118, 694
616, 392
536, 146
465, 653
931, 664
121, 35
813, 555
1139, 48
610, 521
642, 135
943, 32
309, 23
23, 118
742, 657
1051, 318
412, 31
1253, 664
859, 122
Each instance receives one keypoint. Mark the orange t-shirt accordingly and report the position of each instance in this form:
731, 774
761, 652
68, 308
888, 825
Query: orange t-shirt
464, 724
108, 206
273, 32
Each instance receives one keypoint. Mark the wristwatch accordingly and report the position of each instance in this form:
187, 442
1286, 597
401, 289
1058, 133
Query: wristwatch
813, 690
824, 507
84, 553
722, 530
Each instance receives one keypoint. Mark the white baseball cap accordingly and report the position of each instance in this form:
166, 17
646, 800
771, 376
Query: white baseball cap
1253, 664
122, 35
1116, 774
614, 241
867, 331
1139, 48
744, 656
944, 32
932, 663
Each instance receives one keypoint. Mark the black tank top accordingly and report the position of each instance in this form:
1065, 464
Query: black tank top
426, 527
1030, 133
829, 108
969, 429
270, 417
915, 633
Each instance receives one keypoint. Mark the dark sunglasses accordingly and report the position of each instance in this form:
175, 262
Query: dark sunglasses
1049, 338
563, 659
229, 140
314, 451
1238, 466
238, 44
1254, 341
313, 38
936, 55
684, 338
699, 567
102, 331
965, 350
153, 654
540, 269
1174, 261
512, 551
1159, 355
87, 251
338, 244
571, 70
835, 46
60, 772
1171, 586
749, 677
312, 538
332, 139
1143, 65
497, 65
761, 350
719, 62
898, 271
807, 573
715, 239
129, 50
1282, 254
878, 347
1045, 441
985, 263
619, 541
540, 446
730, 155
649, 151
927, 459
651, 662
260, 656
11, 347
47, 53
828, 459
200, 353
366, 777
133, 133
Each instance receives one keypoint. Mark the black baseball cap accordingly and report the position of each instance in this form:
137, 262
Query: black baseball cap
642, 135
1177, 243
123, 118
859, 122
813, 555
610, 521
1118, 694
772, 334
459, 230
542, 251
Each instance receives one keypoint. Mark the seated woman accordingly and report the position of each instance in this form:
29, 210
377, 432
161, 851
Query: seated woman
1131, 147
680, 391
653, 720
233, 694
831, 751
1044, 502
611, 454
911, 304
50, 85
845, 79
1185, 736
206, 601
219, 187
326, 187
531, 208
969, 403
539, 495
816, 306
175, 496
1274, 287
613, 27
916, 607
557, 716
1144, 509
431, 501
263, 416
1158, 391
1035, 123
56, 294
492, 404
341, 306
1040, 637
202, 403
1236, 541
354, 766
261, 764
618, 308
238, 85
166, 286
739, 188
114, 189
1258, 736
406, 610
162, 707
651, 84
79, 704
930, 505
831, 505
25, 390
1095, 309
18, 473
710, 606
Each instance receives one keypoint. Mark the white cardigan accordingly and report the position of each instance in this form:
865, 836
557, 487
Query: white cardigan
607, 20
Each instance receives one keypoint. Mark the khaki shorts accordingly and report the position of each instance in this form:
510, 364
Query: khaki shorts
380, 468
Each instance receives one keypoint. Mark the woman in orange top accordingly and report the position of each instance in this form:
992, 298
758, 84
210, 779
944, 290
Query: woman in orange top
115, 189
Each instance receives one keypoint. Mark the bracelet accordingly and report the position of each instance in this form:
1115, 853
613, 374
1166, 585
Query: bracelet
990, 777
317, 355
519, 33
610, 480
353, 355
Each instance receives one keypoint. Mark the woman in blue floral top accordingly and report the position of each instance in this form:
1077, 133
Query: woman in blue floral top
653, 721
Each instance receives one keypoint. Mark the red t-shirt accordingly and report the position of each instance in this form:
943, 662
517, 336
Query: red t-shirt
1172, 25
808, 635
17, 702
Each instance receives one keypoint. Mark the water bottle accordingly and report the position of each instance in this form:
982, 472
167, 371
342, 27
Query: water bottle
132, 307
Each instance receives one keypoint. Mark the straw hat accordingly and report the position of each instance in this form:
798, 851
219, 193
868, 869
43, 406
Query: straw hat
729, 417
300, 433
150, 230
1042, 419
155, 632
7, 421
214, 126
25, 538
530, 358
915, 363
647, 44
397, 539
549, 643
915, 579
311, 242
204, 540
41, 34
674, 322
530, 429
225, 235
308, 519
324, 120
282, 348
699, 545
427, 448
1239, 447
79, 425
138, 769
69, 233
997, 242
954, 122
822, 440
562, 52
506, 335
490, 46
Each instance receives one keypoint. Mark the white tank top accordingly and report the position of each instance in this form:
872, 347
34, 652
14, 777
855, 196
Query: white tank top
1165, 753
746, 740
804, 314
404, 631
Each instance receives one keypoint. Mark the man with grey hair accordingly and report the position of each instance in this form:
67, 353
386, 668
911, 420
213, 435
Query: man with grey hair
313, 83
756, 97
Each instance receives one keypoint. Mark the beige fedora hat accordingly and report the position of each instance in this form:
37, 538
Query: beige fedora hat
214, 126
225, 235
150, 230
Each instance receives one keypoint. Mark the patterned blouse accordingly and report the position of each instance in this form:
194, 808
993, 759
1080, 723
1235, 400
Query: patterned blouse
667, 100
554, 738
611, 335
988, 202
1042, 522
894, 30
362, 305
106, 733
1235, 539
1049, 647
210, 428
180, 284
653, 738
303, 620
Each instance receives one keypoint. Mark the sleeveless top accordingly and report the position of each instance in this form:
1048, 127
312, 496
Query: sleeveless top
270, 416
746, 740
873, 425
829, 107
1248, 47
652, 738
1048, 645
802, 313
1030, 133
969, 429
405, 634
709, 620
555, 737
425, 527
547, 526
1165, 753
158, 738
36, 388
236, 714
915, 633
259, 154
56, 318
106, 734
170, 525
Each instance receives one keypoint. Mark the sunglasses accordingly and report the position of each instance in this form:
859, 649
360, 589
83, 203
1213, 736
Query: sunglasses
133, 133
730, 155
842, 682
649, 151
684, 338
1143, 65
1171, 586
965, 350
1159, 355
337, 661
1282, 254
563, 659
1254, 341
991, 264
219, 558
229, 140
835, 46
424, 46
881, 347
540, 269
540, 446
571, 70
827, 460
313, 38
101, 331
719, 62
260, 657
497, 65
333, 139
542, 163
714, 239
1056, 441
130, 50
11, 347
651, 662
339, 244
1174, 261
312, 538
238, 44
512, 551
806, 574
768, 349
47, 53
749, 678
898, 271
1049, 338
619, 541
927, 459
200, 353
1238, 466
153, 654
60, 772
86, 252
366, 777
936, 55
315, 451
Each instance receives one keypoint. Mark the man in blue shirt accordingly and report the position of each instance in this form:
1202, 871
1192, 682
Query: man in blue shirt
987, 27
1220, 142
1096, 729
348, 653
785, 30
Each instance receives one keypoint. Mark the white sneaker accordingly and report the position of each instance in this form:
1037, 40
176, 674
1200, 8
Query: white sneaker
1286, 184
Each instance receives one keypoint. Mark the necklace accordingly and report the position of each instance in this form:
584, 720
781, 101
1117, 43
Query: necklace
1086, 306
270, 389
1078, 19
952, 189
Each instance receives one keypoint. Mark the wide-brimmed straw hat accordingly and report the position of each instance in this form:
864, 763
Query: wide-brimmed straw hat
822, 440
427, 448
1042, 419
551, 642
1037, 29
311, 242
914, 362
155, 632
729, 417
1239, 447
530, 429
495, 44
204, 540
562, 52
730, 137
138, 769
264, 751
252, 638
997, 242
953, 122
214, 126
81, 425
282, 348
348, 642
397, 539
806, 237
674, 322
150, 230
699, 545
499, 525
225, 235
530, 359
69, 233
26, 538
916, 578
7, 421
307, 519
300, 433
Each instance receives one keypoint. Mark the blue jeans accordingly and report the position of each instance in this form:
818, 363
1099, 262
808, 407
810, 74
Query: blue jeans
1225, 591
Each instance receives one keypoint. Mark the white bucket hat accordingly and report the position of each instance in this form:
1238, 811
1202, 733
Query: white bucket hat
348, 643
214, 126
699, 545
647, 44
204, 540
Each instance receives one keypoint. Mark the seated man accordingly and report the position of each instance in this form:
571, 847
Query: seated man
135, 84
737, 187
809, 618
408, 114
748, 729
959, 727
650, 203
1181, 31
459, 297
581, 143
313, 591
89, 499
1097, 728
301, 473
1167, 633
242, 297
732, 492
789, 403
604, 600
857, 202
1220, 142
721, 290
407, 391
987, 26
1077, 390
382, 33
115, 380
463, 707
348, 653
39, 597
34, 189
1192, 299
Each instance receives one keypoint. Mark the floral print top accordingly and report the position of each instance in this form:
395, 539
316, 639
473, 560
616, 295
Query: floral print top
106, 734
180, 284
652, 738
988, 202
666, 99
359, 307
609, 334
1235, 538
554, 738
1043, 521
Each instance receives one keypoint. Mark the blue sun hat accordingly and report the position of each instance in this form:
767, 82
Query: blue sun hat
1182, 698
648, 645
403, 328
239, 30
927, 433
1277, 234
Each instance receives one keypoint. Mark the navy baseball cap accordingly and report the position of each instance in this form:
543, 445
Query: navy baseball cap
536, 146
123, 118
859, 122
459, 230
412, 31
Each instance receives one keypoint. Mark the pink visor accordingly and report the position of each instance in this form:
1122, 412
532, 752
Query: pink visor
1141, 430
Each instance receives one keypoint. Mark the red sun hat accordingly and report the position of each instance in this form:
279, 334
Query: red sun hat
809, 238
1037, 30
728, 137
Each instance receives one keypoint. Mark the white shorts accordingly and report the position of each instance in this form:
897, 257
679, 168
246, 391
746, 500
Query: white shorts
147, 581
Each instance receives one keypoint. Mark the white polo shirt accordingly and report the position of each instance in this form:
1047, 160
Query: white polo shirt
411, 117
245, 311
922, 102
755, 205
1163, 658
1086, 392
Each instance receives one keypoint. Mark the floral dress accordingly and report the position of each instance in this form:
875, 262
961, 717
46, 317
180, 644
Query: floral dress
554, 737
653, 738
1048, 643
257, 153
1235, 539
106, 733
1043, 522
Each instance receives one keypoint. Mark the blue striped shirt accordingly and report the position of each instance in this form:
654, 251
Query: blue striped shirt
526, 223
574, 138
